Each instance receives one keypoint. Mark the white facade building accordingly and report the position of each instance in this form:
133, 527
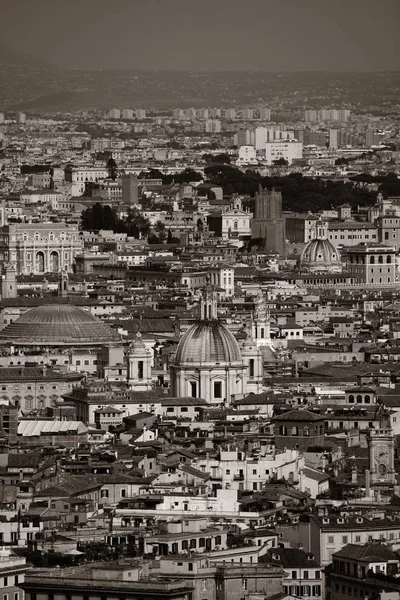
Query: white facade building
247, 156
236, 223
288, 150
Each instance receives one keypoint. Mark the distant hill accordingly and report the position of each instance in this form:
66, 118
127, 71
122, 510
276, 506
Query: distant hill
29, 82
11, 58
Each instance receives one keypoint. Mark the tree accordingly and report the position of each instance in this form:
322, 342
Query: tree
160, 232
136, 224
98, 217
281, 161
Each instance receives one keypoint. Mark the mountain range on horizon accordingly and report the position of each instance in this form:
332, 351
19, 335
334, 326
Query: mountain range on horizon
31, 83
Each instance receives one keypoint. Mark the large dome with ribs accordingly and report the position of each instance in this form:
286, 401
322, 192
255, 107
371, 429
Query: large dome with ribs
57, 325
208, 341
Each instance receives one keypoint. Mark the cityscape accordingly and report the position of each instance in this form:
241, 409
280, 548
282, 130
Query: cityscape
199, 303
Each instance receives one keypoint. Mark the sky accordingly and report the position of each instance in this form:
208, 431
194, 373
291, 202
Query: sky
203, 35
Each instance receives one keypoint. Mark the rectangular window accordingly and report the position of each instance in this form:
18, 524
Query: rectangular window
251, 367
217, 389
193, 389
140, 369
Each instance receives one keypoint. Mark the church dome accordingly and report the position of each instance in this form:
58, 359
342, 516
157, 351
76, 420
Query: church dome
208, 341
58, 325
320, 254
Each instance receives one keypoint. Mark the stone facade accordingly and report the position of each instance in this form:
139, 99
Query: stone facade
37, 248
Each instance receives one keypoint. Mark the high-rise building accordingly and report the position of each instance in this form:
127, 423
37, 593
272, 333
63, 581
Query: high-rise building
315, 138
115, 113
327, 114
268, 223
310, 116
333, 138
202, 113
21, 117
244, 137
178, 113
260, 137
343, 115
127, 113
213, 126
265, 114
140, 113
130, 189
1, 117
215, 113
248, 113
230, 113
190, 114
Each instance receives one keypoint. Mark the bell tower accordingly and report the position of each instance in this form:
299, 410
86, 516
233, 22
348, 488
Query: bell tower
208, 305
261, 322
381, 450
9, 281
139, 366
252, 358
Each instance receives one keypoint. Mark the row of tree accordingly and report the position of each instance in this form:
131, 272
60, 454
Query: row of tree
136, 225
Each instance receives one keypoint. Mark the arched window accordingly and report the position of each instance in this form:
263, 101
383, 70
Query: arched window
235, 225
389, 259
351, 398
359, 398
380, 259
367, 398
295, 431
372, 260
282, 430
40, 265
306, 432
54, 262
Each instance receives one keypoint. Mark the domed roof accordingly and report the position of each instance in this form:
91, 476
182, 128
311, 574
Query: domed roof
320, 253
57, 324
208, 341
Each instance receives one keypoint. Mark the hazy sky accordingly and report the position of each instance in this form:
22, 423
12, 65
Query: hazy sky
270, 35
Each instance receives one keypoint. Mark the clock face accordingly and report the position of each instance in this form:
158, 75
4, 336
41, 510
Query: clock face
381, 454
382, 470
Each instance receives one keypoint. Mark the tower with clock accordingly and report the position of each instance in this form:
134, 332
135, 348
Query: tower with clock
381, 450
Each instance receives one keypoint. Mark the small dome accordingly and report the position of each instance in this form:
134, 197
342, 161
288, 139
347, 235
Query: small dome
57, 325
208, 342
320, 254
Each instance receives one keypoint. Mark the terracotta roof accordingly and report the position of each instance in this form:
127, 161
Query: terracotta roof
298, 414
369, 552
